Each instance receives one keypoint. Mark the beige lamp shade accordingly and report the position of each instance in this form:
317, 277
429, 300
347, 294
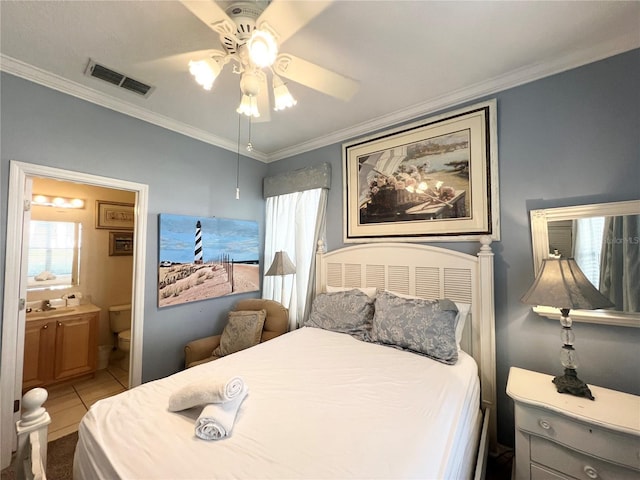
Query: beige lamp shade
281, 265
560, 283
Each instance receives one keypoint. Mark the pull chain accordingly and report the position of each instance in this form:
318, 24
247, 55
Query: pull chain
238, 163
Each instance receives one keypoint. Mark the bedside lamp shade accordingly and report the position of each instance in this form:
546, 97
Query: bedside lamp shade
560, 283
281, 265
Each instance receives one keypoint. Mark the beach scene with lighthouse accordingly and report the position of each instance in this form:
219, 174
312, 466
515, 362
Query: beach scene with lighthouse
202, 258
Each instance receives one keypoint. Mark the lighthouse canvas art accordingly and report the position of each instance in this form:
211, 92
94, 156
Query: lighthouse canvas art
202, 258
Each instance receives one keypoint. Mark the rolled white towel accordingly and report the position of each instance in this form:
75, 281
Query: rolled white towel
217, 419
205, 392
45, 275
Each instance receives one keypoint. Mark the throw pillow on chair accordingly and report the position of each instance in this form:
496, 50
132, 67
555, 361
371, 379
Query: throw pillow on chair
243, 330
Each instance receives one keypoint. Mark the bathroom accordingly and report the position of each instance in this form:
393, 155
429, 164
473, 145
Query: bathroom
102, 272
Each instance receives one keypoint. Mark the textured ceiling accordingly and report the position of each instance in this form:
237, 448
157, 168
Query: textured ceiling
410, 57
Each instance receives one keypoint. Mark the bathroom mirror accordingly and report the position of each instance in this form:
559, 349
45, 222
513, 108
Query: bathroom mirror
604, 239
54, 255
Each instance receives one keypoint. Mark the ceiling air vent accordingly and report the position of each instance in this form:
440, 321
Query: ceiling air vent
111, 76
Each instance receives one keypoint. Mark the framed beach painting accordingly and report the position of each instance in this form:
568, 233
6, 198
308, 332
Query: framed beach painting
206, 257
436, 179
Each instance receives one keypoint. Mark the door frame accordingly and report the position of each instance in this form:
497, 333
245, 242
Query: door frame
13, 318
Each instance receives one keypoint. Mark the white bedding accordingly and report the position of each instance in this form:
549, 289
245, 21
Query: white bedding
321, 405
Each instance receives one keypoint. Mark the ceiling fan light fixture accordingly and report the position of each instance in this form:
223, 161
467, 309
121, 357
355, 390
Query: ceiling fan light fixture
263, 48
248, 106
205, 72
281, 94
250, 83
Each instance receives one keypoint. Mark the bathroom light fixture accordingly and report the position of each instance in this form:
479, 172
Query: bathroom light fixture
56, 201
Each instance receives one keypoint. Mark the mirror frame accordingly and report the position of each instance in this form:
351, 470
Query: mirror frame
540, 247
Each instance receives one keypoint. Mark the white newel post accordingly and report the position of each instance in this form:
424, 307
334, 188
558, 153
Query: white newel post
32, 428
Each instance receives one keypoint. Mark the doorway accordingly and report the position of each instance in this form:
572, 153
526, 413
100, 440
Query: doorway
13, 323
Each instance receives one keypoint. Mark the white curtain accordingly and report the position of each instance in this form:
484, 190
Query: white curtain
587, 246
294, 224
620, 269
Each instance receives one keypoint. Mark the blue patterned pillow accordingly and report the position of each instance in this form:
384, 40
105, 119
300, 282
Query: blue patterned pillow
427, 327
349, 312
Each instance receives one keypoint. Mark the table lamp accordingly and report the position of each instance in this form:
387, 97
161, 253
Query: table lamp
281, 266
561, 284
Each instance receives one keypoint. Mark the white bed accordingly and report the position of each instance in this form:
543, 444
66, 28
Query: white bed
323, 404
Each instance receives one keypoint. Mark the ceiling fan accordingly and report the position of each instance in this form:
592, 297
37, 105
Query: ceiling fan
250, 34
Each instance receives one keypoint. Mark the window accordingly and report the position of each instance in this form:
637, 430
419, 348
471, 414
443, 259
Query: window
54, 254
294, 223
296, 208
588, 246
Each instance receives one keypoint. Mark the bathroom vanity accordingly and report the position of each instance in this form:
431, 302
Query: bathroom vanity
60, 344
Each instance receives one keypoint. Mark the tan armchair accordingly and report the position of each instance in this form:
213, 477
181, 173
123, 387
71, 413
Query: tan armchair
276, 323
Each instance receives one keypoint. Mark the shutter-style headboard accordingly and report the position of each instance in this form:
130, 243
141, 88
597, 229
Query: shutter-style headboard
428, 272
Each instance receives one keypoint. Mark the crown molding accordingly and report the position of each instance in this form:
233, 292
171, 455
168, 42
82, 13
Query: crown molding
492, 86
61, 84
497, 84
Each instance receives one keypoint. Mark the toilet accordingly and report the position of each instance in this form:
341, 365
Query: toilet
120, 323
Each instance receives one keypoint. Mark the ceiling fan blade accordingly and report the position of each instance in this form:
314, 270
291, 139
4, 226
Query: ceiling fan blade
315, 76
210, 13
180, 61
285, 18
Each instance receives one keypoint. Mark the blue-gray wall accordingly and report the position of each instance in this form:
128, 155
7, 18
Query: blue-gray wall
185, 176
564, 140
569, 139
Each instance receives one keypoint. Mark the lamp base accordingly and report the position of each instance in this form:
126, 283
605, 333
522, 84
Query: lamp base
571, 384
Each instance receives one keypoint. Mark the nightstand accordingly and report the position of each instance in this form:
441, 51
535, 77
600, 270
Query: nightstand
560, 436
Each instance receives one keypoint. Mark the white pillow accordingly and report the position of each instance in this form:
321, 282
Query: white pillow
461, 317
369, 291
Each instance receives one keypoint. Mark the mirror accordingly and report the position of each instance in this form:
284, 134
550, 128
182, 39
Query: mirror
604, 240
54, 255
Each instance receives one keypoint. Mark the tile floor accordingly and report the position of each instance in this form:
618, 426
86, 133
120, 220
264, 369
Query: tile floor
67, 403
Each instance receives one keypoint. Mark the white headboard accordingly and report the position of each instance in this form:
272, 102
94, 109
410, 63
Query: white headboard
431, 273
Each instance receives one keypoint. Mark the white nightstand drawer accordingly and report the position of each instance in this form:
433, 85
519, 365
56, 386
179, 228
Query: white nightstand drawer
560, 436
575, 464
590, 439
541, 473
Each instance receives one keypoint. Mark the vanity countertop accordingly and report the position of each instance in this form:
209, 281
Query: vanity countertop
62, 312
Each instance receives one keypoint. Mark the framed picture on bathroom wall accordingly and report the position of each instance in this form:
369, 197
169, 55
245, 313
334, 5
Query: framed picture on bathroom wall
120, 243
114, 215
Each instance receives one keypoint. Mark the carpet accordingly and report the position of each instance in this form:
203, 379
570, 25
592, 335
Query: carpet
59, 459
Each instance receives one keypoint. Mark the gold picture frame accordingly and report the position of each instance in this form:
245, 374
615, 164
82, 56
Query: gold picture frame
114, 215
120, 243
432, 180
